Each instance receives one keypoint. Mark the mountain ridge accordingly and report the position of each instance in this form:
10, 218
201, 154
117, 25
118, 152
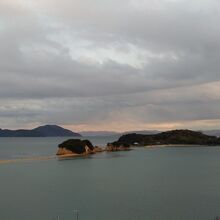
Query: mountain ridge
41, 131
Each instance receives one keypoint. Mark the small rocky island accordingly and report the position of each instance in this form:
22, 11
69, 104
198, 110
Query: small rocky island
174, 137
74, 147
77, 147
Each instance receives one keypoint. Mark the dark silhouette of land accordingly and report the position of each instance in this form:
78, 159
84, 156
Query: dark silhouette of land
178, 137
42, 131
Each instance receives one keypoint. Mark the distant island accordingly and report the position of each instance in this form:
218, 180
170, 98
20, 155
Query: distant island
78, 147
75, 147
174, 137
114, 133
42, 131
99, 133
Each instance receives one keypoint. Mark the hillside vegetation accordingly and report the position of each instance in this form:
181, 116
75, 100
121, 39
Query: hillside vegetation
166, 138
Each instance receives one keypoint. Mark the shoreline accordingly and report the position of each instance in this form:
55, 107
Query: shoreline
178, 145
70, 155
27, 159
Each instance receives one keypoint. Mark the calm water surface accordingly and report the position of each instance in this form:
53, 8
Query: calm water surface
155, 184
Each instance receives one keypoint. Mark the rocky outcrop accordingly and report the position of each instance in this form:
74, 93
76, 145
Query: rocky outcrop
114, 147
64, 151
75, 147
98, 149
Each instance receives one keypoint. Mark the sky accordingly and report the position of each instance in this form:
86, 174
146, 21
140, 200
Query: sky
110, 65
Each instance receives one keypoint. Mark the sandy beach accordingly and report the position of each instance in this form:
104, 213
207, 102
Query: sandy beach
27, 159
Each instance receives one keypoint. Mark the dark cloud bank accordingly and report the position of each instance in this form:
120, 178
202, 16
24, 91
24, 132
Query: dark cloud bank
89, 65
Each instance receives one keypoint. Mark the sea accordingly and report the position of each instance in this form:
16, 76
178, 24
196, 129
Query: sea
171, 183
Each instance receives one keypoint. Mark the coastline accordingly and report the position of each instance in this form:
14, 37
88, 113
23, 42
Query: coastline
70, 155
177, 145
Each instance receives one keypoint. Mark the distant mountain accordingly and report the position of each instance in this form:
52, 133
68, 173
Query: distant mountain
99, 133
212, 132
112, 133
143, 132
42, 131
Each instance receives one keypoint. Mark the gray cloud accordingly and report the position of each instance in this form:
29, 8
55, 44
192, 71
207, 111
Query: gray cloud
80, 63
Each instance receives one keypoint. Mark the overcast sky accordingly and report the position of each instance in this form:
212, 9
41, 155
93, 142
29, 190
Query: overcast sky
110, 64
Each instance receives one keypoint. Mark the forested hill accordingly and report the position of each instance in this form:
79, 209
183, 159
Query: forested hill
168, 137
